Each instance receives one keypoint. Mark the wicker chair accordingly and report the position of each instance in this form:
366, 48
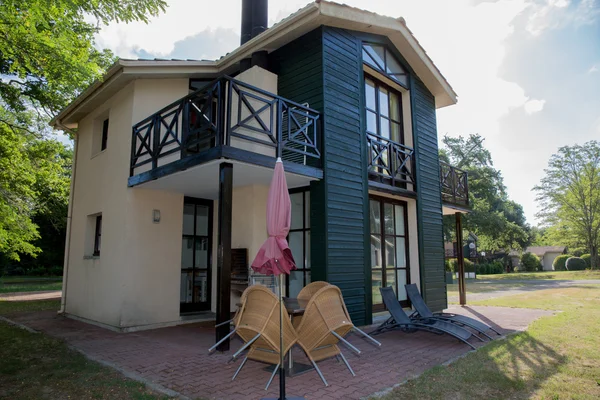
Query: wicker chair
258, 326
233, 321
323, 326
309, 290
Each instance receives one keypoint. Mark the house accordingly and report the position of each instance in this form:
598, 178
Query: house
173, 159
546, 254
469, 249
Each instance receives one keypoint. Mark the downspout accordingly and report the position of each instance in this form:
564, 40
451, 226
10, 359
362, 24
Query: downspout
63, 301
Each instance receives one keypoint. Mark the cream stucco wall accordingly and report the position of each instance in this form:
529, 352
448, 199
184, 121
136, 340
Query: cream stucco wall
249, 216
138, 259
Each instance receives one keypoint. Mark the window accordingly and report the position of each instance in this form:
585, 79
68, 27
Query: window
379, 58
384, 110
299, 241
389, 248
98, 236
104, 135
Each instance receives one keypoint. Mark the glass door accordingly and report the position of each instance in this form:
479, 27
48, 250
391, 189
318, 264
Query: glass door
389, 249
196, 248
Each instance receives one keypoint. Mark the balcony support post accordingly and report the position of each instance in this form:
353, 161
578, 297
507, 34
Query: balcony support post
462, 289
224, 253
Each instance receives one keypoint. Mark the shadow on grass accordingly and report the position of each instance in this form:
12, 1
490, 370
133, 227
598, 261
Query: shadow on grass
510, 368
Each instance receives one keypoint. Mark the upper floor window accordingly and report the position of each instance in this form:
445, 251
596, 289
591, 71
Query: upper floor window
104, 134
379, 58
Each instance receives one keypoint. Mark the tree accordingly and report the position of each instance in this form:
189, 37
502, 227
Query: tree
47, 57
569, 195
498, 222
47, 53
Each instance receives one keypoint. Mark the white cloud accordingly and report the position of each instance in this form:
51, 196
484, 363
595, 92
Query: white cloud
552, 14
532, 106
593, 69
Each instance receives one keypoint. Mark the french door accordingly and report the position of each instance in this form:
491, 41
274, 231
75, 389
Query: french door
389, 249
196, 245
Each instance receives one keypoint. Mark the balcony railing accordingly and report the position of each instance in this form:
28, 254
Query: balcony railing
390, 163
227, 113
454, 185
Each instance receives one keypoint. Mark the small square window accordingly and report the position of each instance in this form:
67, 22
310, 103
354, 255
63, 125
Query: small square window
98, 235
104, 134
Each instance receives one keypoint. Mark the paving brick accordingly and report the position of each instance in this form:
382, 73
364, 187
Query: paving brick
177, 357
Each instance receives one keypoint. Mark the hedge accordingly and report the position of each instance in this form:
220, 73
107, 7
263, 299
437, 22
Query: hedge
560, 262
588, 260
530, 263
576, 264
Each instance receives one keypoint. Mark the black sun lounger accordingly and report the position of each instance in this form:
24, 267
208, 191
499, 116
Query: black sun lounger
424, 313
399, 320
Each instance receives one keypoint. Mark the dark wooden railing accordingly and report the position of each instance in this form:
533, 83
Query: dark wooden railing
227, 112
390, 163
454, 185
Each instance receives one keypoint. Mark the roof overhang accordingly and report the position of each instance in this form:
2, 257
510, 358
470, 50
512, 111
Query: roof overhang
301, 22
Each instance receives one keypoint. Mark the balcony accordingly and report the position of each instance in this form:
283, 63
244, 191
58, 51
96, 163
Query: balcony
227, 119
454, 186
391, 164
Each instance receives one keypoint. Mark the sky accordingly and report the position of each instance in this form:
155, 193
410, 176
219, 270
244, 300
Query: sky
527, 72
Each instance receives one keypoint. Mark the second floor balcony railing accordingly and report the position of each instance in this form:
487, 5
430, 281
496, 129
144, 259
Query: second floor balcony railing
227, 113
390, 163
454, 185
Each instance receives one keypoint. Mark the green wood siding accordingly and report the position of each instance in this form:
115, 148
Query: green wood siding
344, 185
429, 200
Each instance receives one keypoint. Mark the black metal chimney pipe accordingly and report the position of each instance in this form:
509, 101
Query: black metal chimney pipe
255, 18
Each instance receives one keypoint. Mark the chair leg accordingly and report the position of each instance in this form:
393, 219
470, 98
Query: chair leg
272, 376
221, 341
240, 368
223, 323
347, 364
367, 336
319, 372
244, 347
345, 342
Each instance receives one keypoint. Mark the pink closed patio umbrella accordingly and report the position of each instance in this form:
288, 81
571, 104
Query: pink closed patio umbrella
275, 256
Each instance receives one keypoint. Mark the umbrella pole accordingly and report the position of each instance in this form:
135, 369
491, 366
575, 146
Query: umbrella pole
281, 348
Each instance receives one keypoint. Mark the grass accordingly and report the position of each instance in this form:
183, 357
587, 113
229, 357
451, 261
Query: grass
35, 366
10, 284
556, 358
483, 287
552, 275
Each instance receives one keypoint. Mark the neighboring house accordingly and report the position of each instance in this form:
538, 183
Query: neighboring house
546, 254
173, 160
469, 249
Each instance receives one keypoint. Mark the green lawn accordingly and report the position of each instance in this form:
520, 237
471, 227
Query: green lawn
474, 286
553, 275
35, 366
556, 358
10, 284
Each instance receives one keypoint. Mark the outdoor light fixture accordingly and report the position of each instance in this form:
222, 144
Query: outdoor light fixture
156, 216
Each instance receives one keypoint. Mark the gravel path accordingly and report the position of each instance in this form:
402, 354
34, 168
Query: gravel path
27, 296
531, 285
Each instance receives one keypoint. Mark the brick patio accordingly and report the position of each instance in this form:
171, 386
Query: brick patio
177, 357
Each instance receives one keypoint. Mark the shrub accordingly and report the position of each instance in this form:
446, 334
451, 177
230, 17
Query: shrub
530, 262
452, 265
486, 268
517, 269
588, 260
576, 264
578, 252
559, 263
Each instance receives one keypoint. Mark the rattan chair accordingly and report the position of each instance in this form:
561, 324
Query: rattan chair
233, 321
258, 326
323, 326
309, 290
